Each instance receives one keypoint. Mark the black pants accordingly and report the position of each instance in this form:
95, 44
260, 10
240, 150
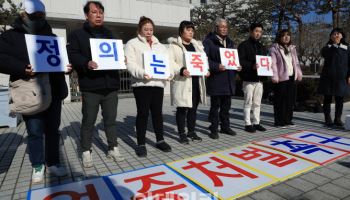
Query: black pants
190, 113
149, 99
327, 100
284, 99
224, 104
92, 101
45, 123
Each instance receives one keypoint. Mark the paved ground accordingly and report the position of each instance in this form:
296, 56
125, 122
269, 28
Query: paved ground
323, 183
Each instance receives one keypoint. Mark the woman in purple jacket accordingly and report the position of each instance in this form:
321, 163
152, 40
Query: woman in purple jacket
286, 70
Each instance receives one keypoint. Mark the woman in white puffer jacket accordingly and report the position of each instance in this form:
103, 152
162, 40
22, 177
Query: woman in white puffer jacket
186, 91
148, 92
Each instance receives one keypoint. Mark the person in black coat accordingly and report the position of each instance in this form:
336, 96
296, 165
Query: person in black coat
252, 83
335, 76
14, 61
221, 84
98, 87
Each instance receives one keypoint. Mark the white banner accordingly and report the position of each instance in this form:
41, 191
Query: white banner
229, 58
196, 63
156, 65
89, 189
108, 53
312, 152
336, 142
47, 53
158, 182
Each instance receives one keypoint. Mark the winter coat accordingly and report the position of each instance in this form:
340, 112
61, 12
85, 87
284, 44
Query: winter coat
279, 67
79, 53
134, 50
219, 82
336, 70
14, 58
247, 51
181, 86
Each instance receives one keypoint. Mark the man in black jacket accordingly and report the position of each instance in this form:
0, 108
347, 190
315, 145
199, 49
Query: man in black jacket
98, 87
252, 83
221, 83
14, 61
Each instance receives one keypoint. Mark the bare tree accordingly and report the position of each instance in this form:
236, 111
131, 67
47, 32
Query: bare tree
8, 11
336, 7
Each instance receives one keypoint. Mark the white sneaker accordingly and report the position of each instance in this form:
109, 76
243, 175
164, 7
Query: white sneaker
38, 174
115, 154
87, 159
57, 170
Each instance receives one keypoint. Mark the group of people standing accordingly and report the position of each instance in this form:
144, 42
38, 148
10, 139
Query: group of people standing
100, 88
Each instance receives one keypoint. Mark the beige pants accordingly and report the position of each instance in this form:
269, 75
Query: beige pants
253, 92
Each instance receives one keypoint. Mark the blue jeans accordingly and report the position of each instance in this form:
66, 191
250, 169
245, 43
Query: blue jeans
45, 123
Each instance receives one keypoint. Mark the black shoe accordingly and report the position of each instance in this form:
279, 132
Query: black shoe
338, 122
141, 151
163, 146
194, 136
183, 139
259, 127
214, 135
250, 129
228, 131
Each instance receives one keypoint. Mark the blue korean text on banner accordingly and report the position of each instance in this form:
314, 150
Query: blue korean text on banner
106, 49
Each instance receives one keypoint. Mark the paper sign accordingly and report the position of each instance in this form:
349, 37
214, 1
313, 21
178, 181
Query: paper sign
196, 63
47, 53
108, 53
336, 142
312, 152
277, 164
95, 189
222, 178
229, 58
159, 182
264, 65
156, 65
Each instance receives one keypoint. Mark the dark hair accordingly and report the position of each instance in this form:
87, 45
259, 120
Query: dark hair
97, 3
144, 20
253, 26
339, 30
184, 25
279, 35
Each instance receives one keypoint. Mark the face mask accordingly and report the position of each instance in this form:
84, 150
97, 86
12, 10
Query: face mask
34, 26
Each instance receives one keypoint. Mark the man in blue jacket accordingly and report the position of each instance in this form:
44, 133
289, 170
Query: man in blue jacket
221, 84
99, 87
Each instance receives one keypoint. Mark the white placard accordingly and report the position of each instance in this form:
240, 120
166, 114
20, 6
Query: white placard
264, 65
89, 189
280, 165
312, 152
229, 58
336, 142
108, 53
223, 178
47, 53
156, 65
146, 182
197, 63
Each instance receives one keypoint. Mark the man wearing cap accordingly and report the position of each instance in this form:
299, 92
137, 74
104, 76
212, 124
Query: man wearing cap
98, 87
15, 62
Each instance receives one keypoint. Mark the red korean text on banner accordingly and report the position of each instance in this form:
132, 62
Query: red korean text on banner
231, 56
159, 194
214, 175
90, 194
197, 62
